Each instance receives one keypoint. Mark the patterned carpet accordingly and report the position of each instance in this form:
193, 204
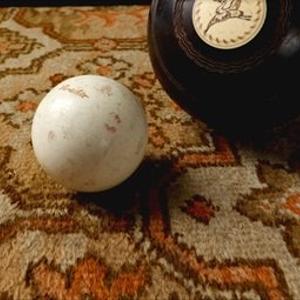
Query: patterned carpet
205, 217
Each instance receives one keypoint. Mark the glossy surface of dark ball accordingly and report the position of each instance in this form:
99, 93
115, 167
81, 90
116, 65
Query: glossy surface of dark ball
246, 86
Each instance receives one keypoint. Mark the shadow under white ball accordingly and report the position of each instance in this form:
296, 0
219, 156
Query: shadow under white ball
89, 133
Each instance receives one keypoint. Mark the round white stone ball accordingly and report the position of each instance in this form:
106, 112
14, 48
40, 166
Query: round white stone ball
89, 133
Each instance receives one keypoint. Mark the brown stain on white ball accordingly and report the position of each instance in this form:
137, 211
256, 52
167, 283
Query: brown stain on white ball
66, 134
51, 136
106, 89
110, 129
116, 117
75, 91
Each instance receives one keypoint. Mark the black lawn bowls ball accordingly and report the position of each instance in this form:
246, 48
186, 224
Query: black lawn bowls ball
234, 64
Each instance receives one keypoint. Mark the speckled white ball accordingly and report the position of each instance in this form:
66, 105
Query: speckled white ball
89, 133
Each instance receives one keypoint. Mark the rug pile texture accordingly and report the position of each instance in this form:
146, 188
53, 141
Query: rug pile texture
204, 217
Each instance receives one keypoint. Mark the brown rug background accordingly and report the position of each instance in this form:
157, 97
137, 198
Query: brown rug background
203, 218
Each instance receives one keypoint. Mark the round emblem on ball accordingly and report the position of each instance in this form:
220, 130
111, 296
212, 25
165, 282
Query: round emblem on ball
228, 24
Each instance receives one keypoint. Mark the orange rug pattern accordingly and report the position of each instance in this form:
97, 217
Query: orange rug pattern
204, 217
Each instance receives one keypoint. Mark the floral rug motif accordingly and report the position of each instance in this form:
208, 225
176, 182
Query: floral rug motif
205, 217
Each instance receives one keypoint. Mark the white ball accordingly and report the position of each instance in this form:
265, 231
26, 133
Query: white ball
89, 133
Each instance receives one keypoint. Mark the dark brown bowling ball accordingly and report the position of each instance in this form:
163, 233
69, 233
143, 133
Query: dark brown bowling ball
235, 64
